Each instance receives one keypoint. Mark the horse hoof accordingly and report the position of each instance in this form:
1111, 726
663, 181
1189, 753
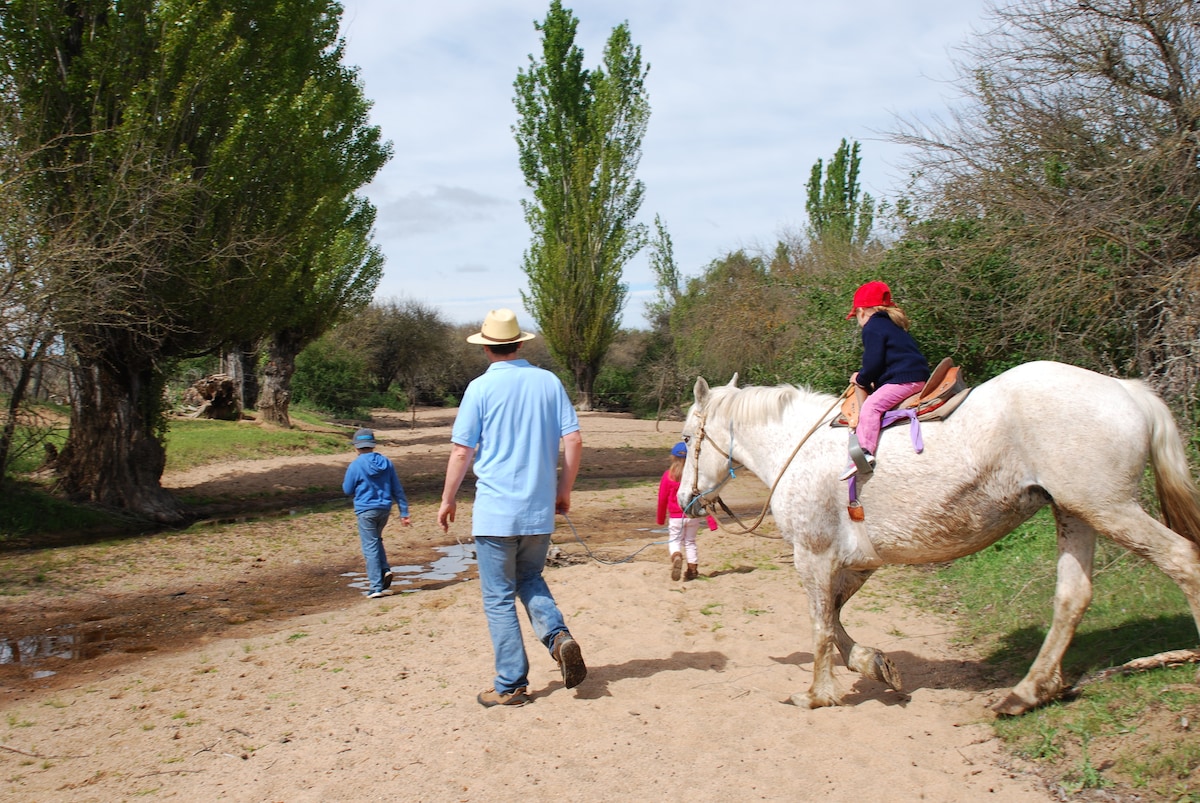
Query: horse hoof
1012, 706
809, 700
887, 672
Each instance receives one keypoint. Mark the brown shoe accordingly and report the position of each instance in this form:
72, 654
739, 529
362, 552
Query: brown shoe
676, 565
570, 659
491, 697
693, 571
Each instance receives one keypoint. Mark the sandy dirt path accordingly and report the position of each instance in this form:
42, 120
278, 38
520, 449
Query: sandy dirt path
278, 681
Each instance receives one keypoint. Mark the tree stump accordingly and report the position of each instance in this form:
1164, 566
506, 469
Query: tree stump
214, 397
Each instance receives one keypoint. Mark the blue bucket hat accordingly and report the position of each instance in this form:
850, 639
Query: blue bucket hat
679, 449
364, 439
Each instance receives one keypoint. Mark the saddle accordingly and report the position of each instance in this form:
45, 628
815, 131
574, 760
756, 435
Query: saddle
943, 392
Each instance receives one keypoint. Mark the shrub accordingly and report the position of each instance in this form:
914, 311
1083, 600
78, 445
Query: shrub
331, 378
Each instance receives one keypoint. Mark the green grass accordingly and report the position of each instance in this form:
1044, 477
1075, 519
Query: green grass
28, 508
1008, 589
1128, 731
192, 443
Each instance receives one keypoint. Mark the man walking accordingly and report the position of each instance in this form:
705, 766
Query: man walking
511, 421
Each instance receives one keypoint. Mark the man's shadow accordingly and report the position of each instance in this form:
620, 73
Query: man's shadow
599, 677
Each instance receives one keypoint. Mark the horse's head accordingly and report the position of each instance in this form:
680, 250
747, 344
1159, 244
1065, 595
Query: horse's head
706, 468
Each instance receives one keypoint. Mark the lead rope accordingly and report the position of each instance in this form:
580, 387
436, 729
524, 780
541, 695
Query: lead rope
767, 504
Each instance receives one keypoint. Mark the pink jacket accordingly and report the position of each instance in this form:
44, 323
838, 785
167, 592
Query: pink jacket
668, 501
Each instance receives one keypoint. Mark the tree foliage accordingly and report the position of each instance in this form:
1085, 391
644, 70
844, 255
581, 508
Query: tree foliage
1074, 162
197, 154
663, 383
332, 378
836, 212
579, 139
401, 342
734, 318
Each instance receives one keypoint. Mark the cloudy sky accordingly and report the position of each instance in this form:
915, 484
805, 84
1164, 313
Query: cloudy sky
744, 97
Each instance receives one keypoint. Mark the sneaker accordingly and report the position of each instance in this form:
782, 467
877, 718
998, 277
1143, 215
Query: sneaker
570, 659
387, 592
491, 697
387, 579
852, 468
676, 565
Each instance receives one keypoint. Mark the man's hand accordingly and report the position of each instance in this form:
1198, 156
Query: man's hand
446, 515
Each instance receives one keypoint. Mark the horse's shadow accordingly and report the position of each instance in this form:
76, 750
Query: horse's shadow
1096, 649
599, 677
917, 672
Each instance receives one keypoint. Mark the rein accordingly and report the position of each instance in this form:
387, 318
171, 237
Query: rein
697, 496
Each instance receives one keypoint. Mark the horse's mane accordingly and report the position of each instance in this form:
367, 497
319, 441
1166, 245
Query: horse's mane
755, 404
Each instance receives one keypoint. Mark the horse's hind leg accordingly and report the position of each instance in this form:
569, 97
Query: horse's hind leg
1072, 595
1140, 533
865, 660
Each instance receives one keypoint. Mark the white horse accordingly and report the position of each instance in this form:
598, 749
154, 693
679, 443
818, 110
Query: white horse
1040, 434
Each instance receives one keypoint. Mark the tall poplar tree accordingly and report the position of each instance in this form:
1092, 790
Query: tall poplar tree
579, 138
836, 213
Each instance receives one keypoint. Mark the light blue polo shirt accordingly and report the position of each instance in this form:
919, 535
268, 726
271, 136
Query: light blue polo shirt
514, 415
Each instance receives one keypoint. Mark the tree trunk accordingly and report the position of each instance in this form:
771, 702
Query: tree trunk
231, 366
16, 398
277, 378
28, 365
239, 364
113, 455
585, 382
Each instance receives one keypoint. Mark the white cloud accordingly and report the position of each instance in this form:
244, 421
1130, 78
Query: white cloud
436, 211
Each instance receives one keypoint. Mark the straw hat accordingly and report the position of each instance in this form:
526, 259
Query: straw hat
500, 326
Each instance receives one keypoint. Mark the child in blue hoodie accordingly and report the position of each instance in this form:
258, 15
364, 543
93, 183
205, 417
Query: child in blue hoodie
372, 480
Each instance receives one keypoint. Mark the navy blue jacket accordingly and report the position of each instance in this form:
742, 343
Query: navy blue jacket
890, 355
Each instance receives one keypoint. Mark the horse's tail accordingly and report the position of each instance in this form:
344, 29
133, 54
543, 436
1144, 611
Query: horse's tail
1178, 496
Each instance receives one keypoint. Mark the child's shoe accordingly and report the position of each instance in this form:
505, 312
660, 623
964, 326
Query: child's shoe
852, 468
676, 565
693, 571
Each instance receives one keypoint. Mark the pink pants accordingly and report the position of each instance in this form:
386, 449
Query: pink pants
878, 403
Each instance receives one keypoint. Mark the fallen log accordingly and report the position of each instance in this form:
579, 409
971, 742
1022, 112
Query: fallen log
1159, 661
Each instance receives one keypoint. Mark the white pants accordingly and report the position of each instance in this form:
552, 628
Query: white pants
682, 537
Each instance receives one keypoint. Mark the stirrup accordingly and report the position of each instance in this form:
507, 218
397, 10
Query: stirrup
863, 461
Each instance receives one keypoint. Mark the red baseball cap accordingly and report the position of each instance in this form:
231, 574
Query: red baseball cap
871, 294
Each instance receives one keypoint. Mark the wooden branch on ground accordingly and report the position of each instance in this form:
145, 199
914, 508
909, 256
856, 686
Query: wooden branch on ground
1162, 659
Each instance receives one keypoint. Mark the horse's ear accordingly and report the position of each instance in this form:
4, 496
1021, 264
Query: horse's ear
733, 382
700, 391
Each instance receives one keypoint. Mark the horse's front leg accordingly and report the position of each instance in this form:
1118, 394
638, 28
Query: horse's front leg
867, 661
817, 577
1072, 595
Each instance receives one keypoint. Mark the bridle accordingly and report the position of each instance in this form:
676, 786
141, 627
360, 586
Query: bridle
706, 500
730, 471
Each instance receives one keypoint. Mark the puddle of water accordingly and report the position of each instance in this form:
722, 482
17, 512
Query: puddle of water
31, 650
455, 561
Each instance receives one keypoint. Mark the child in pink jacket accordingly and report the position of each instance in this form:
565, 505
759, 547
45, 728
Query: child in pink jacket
682, 530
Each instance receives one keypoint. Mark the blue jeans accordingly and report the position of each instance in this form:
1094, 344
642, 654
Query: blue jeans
510, 568
370, 536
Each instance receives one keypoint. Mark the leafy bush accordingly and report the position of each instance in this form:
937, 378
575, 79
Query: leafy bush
615, 388
331, 378
394, 398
